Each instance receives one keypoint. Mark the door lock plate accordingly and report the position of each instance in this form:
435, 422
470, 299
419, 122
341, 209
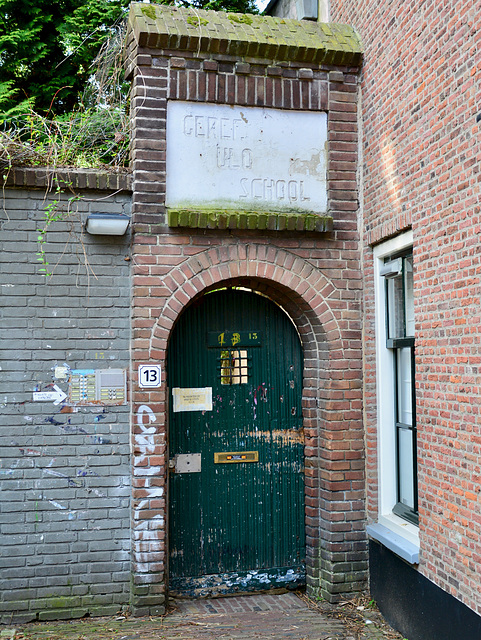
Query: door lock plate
187, 463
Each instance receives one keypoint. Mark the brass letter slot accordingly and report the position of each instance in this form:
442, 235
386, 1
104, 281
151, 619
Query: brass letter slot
236, 456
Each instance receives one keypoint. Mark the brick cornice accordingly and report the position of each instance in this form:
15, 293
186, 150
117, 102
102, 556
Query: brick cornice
48, 178
227, 219
243, 35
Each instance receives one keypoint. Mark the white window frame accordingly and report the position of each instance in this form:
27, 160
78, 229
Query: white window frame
400, 536
323, 11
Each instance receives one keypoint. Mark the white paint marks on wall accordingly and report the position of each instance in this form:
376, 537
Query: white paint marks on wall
146, 529
57, 504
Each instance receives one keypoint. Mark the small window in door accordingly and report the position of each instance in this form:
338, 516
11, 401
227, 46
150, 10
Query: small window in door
233, 366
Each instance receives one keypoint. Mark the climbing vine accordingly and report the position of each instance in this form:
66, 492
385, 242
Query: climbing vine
52, 213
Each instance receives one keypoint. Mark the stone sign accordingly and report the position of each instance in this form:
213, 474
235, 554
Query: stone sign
245, 158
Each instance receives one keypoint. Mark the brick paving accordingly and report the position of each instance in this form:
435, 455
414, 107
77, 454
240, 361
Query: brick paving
254, 617
257, 617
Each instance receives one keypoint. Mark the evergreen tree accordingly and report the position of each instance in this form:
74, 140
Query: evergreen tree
47, 47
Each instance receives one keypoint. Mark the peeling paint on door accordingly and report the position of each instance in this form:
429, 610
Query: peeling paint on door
238, 526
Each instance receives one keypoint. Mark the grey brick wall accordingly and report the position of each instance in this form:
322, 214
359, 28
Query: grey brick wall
65, 471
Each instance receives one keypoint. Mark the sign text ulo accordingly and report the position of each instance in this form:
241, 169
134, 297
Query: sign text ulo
245, 158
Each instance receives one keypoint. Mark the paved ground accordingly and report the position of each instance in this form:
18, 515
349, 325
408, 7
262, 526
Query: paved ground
257, 617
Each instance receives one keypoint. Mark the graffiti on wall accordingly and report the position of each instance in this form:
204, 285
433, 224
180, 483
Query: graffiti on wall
146, 531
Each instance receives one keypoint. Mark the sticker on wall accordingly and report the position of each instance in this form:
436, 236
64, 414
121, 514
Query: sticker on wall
150, 376
56, 396
61, 373
199, 399
97, 387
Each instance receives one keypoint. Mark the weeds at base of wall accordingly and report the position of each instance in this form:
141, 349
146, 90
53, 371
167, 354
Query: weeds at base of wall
360, 615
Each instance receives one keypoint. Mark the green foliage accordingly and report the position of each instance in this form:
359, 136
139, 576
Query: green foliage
63, 98
8, 97
47, 47
86, 138
94, 134
62, 210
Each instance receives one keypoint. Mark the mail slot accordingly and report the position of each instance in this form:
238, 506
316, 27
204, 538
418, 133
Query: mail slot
232, 457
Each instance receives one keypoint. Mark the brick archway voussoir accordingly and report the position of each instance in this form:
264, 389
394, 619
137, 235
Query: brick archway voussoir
221, 264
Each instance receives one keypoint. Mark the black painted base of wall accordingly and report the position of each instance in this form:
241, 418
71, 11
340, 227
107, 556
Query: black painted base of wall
415, 606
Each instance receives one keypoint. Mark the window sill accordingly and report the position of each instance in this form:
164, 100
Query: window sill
401, 537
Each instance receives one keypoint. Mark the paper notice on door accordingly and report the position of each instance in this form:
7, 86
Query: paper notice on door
192, 399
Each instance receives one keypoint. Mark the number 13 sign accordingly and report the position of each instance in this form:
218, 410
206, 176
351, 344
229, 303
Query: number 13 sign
149, 376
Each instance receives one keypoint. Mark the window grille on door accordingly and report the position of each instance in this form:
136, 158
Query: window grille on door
234, 366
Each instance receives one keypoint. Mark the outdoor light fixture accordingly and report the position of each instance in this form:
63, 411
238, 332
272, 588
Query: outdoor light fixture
107, 224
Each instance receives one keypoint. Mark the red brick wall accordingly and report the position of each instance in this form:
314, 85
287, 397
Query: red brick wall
316, 277
421, 93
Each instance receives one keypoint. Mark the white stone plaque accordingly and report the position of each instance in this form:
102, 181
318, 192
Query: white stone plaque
245, 158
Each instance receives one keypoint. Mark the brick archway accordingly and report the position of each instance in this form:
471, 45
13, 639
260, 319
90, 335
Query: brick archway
331, 408
284, 270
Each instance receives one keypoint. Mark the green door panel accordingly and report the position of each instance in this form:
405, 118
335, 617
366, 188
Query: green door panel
236, 524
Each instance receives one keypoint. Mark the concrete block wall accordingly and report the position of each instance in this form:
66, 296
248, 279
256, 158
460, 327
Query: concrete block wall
315, 277
422, 144
64, 471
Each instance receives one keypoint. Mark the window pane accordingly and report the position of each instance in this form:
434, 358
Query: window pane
404, 386
395, 307
406, 469
409, 295
225, 367
233, 366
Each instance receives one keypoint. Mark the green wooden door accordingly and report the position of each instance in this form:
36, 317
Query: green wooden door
236, 476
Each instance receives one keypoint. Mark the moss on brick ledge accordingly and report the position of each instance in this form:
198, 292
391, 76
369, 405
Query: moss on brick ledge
252, 220
241, 35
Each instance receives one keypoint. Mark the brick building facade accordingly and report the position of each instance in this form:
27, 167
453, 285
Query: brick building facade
389, 266
312, 272
390, 438
66, 473
420, 206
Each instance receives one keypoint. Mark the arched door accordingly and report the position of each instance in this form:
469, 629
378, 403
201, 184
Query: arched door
236, 447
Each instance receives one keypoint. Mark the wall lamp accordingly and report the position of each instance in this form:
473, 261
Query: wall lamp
107, 224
